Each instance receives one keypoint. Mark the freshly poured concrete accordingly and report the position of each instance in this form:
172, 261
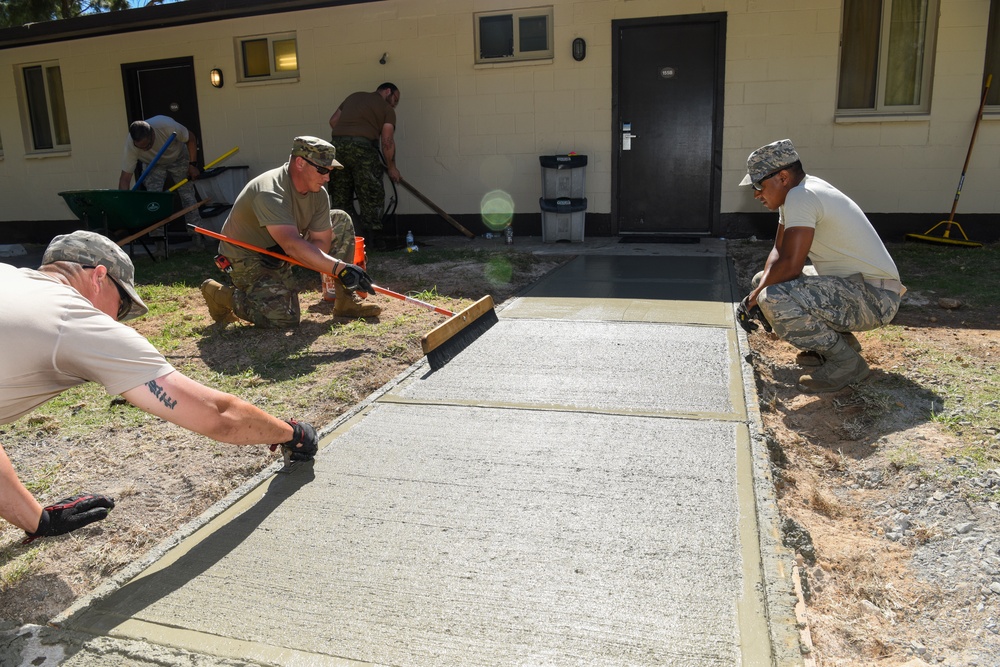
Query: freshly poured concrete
569, 490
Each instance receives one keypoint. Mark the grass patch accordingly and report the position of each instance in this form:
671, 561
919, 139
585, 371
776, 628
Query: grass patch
949, 271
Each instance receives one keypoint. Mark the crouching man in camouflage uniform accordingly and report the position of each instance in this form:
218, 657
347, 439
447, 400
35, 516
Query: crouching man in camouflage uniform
852, 284
286, 210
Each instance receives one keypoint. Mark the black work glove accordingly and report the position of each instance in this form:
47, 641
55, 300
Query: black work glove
304, 443
748, 317
71, 513
354, 277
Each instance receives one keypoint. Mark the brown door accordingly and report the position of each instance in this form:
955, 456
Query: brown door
668, 76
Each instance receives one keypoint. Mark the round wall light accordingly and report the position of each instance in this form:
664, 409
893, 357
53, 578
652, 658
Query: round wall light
215, 76
579, 49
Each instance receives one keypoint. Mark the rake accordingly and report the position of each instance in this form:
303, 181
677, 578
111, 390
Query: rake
950, 222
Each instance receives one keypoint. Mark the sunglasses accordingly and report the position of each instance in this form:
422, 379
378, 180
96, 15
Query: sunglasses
759, 185
124, 301
323, 171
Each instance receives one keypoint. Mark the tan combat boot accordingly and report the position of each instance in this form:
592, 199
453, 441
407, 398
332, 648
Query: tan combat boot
843, 366
349, 304
813, 358
219, 298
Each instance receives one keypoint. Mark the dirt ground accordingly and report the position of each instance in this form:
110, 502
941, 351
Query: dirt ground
897, 549
896, 533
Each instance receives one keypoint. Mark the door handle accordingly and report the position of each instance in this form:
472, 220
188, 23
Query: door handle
627, 138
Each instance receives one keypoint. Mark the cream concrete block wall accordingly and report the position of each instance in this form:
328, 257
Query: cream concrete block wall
464, 130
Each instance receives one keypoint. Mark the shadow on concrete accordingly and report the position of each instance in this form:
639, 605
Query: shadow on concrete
126, 602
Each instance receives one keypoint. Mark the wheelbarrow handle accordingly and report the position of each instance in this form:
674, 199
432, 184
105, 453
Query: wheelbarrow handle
145, 173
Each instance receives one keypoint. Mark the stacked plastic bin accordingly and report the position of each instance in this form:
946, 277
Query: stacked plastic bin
564, 207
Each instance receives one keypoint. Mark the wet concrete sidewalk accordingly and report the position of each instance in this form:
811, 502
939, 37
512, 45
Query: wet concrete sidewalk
584, 485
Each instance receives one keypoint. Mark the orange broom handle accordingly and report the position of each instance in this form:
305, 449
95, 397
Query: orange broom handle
290, 260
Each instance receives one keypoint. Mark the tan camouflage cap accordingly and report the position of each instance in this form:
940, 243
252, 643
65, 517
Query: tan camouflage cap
320, 153
769, 159
93, 249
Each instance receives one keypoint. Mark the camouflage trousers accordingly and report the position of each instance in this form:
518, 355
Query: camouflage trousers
266, 292
178, 172
811, 311
361, 176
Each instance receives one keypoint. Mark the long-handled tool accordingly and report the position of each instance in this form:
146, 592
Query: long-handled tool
179, 214
442, 343
152, 163
946, 236
437, 209
207, 167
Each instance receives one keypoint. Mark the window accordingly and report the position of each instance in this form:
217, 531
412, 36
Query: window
267, 57
521, 34
886, 56
43, 108
993, 55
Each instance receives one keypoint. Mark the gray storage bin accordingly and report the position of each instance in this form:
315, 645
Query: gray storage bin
563, 219
563, 176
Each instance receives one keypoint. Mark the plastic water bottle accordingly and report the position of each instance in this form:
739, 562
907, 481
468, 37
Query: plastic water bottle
409, 239
508, 234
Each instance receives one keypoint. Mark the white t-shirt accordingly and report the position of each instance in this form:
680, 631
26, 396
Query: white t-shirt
845, 243
54, 339
163, 127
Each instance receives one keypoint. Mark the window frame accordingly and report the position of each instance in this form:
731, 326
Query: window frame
517, 15
29, 111
274, 74
880, 107
993, 53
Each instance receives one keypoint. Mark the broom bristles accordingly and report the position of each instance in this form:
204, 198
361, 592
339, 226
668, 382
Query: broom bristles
445, 341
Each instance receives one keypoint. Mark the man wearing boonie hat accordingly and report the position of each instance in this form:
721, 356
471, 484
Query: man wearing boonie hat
286, 210
852, 283
61, 327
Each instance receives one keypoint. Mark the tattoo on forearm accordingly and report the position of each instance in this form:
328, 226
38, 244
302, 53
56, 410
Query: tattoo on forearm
161, 393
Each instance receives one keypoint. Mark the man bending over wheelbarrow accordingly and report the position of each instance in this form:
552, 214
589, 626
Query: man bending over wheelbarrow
61, 327
180, 159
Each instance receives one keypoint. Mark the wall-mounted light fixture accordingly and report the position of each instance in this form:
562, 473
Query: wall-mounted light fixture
579, 49
215, 76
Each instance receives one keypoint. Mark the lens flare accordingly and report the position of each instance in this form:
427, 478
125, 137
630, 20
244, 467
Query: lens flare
497, 209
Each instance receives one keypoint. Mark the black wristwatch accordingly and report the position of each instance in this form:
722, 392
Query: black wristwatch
193, 162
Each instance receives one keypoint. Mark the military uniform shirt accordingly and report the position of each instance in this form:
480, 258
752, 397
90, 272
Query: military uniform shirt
271, 199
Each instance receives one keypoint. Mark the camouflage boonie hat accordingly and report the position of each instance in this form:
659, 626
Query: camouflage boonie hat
769, 159
93, 249
320, 153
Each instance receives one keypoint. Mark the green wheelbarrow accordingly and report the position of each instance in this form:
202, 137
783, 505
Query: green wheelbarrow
118, 213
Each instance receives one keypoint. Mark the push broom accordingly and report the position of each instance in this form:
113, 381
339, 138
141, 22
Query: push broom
946, 235
443, 342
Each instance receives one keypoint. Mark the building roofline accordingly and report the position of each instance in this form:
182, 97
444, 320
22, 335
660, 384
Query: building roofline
188, 12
